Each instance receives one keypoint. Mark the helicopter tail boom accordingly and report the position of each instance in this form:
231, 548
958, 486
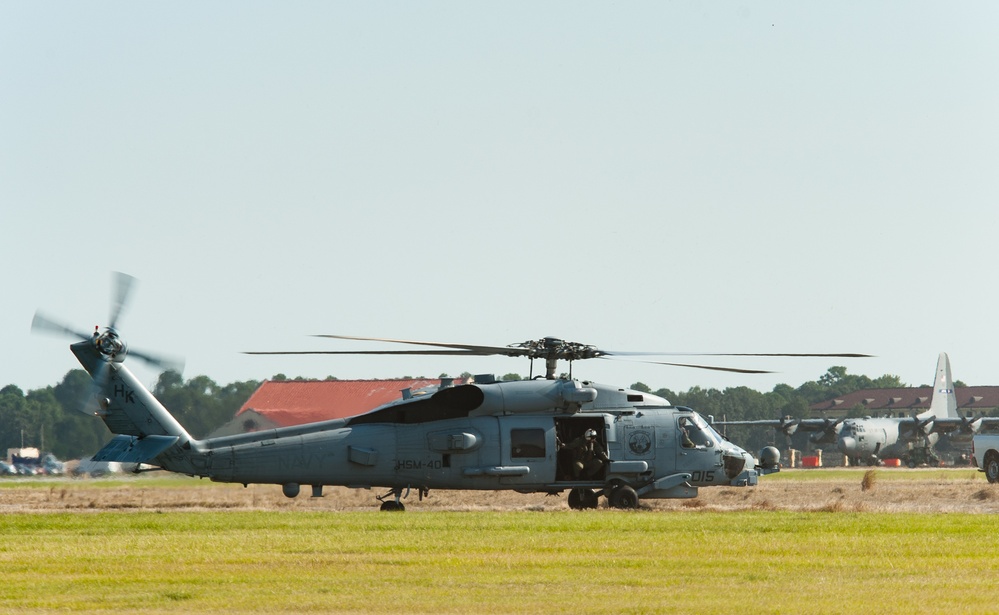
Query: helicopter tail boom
144, 428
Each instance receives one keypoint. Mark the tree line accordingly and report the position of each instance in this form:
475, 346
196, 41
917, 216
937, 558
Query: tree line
49, 419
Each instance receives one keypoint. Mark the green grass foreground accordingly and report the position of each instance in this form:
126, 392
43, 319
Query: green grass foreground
599, 561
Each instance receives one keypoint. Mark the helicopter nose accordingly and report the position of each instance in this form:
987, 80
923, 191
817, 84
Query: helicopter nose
847, 445
735, 461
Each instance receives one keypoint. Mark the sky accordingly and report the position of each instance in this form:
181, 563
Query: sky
645, 176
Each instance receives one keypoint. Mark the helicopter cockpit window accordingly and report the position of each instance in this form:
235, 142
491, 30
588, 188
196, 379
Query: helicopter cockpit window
698, 432
710, 433
527, 443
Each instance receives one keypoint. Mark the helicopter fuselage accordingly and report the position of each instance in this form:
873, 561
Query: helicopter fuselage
483, 436
522, 452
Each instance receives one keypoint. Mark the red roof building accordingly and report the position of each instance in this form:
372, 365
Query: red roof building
908, 401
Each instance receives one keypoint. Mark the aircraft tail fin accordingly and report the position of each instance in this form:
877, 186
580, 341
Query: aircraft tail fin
943, 403
127, 407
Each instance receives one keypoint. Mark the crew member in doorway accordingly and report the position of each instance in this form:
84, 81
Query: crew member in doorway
588, 457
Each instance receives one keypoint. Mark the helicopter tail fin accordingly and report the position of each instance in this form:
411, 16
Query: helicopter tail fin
129, 410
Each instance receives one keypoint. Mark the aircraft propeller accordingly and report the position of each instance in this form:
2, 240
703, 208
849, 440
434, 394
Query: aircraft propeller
789, 425
827, 432
971, 425
551, 349
921, 427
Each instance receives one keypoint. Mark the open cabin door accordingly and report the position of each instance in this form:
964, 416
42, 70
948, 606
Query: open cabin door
569, 429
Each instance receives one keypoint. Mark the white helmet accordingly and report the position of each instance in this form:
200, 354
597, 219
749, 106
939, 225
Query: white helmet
590, 434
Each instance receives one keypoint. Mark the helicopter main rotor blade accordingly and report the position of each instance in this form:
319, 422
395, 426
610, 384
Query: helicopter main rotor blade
466, 353
550, 349
43, 324
465, 348
463, 353
737, 370
842, 355
123, 284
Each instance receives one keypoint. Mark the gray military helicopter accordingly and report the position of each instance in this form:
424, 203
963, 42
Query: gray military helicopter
485, 435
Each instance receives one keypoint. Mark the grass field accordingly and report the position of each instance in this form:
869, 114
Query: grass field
684, 559
512, 562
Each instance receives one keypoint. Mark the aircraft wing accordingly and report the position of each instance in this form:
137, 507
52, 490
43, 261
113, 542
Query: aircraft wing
788, 425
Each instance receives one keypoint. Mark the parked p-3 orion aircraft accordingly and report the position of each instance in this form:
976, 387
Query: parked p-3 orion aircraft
541, 435
871, 439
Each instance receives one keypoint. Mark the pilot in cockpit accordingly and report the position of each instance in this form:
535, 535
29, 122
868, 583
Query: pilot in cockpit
685, 426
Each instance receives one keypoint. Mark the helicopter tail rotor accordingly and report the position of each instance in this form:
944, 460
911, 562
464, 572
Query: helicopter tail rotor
123, 284
108, 343
94, 403
43, 324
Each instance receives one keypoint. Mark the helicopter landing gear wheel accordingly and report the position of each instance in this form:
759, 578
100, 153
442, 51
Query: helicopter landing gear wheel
580, 499
394, 504
623, 496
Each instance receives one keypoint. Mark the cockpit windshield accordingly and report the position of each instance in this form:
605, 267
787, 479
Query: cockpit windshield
699, 432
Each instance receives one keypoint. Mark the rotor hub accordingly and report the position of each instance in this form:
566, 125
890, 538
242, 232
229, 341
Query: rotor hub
555, 348
110, 345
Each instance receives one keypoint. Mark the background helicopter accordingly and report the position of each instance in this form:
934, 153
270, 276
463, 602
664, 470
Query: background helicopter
486, 435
